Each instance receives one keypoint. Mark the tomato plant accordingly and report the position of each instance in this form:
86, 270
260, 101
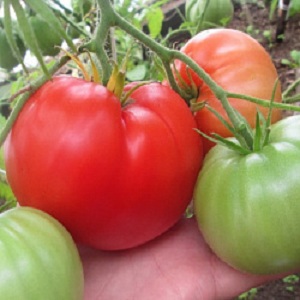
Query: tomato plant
248, 206
239, 64
218, 12
115, 175
39, 259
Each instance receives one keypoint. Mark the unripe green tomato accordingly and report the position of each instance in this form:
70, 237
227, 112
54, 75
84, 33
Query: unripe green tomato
248, 206
39, 259
48, 39
218, 12
7, 60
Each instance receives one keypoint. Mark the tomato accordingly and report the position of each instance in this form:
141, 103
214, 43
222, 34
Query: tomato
49, 43
248, 206
7, 60
239, 64
39, 259
116, 176
217, 13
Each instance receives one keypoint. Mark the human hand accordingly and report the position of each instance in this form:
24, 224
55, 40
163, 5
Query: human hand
176, 265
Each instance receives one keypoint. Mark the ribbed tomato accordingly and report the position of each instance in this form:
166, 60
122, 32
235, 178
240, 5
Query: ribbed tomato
115, 175
248, 206
239, 64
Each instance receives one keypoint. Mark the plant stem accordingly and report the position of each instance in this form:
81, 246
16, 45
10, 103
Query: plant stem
107, 20
244, 132
266, 103
35, 85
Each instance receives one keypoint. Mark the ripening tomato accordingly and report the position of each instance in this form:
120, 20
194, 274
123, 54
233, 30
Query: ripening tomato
248, 206
116, 176
239, 64
39, 259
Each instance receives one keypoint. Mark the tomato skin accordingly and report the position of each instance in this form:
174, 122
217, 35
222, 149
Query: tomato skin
39, 259
248, 207
239, 64
115, 176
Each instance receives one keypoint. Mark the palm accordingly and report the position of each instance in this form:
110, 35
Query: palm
177, 265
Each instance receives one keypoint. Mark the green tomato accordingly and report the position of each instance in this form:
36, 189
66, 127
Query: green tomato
7, 60
48, 39
218, 12
39, 259
248, 206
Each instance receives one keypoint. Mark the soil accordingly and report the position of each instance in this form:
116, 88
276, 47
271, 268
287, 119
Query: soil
254, 19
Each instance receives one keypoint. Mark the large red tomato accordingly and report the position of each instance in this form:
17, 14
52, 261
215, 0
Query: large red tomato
116, 176
239, 64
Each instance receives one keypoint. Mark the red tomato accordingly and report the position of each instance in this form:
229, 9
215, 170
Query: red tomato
115, 176
239, 64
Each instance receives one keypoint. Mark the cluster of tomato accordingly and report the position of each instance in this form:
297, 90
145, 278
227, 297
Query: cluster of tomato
117, 175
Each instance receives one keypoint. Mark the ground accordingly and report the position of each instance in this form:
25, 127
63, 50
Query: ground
254, 19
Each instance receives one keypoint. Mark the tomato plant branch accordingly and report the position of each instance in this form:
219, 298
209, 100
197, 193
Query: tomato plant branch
34, 86
107, 20
243, 130
264, 102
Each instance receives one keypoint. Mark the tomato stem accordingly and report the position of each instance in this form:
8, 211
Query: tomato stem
107, 20
265, 103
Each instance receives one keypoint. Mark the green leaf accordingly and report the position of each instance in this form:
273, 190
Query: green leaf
155, 19
28, 33
10, 35
285, 61
5, 91
295, 55
258, 134
137, 73
7, 198
41, 8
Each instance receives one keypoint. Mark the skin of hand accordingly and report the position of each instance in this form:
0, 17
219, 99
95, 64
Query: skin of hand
178, 265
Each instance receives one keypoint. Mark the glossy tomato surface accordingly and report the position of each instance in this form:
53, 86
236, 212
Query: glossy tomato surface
116, 176
239, 64
248, 206
39, 259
